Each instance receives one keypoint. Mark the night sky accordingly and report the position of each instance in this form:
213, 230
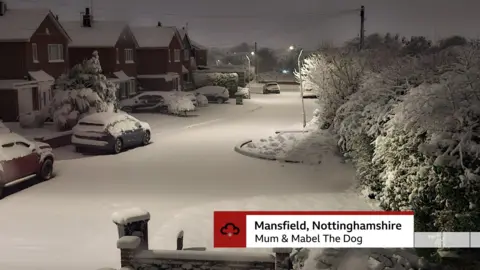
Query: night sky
279, 23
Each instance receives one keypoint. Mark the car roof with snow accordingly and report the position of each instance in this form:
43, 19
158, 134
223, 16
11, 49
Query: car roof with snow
103, 118
10, 137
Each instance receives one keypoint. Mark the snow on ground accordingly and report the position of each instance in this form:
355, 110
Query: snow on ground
276, 146
181, 178
48, 130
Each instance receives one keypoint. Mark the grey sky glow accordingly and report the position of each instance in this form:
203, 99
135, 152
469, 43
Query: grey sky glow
279, 23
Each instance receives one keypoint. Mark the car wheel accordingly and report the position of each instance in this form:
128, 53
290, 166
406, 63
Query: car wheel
127, 109
220, 100
117, 146
146, 138
46, 171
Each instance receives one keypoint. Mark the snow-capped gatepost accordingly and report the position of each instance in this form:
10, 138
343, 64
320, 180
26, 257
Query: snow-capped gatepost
282, 258
132, 227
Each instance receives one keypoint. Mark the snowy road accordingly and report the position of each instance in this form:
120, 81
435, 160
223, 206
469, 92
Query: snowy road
188, 171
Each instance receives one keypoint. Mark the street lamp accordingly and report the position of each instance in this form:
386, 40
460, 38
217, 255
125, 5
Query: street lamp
291, 48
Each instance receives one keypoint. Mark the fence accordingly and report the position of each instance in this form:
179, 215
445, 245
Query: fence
135, 254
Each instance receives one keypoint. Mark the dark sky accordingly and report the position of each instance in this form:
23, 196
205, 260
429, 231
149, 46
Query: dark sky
279, 23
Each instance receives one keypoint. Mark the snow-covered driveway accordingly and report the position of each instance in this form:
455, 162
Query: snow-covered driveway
186, 174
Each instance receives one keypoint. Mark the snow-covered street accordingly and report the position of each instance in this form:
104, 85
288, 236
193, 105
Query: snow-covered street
188, 171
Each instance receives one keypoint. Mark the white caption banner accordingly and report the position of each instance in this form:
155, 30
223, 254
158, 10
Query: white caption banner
318, 231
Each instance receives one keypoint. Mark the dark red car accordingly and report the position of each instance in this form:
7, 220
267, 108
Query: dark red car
21, 159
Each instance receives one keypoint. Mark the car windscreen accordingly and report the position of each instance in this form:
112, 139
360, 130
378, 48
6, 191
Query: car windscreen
272, 84
90, 124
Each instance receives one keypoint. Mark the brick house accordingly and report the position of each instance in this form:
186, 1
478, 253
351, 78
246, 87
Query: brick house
116, 47
187, 53
159, 58
33, 52
200, 53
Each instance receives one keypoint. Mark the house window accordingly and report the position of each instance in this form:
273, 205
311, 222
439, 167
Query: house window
129, 56
169, 55
186, 55
118, 56
34, 53
55, 53
176, 55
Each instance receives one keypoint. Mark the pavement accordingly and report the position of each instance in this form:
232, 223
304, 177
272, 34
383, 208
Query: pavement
188, 171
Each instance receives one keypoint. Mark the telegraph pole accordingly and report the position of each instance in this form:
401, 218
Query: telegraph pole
362, 27
256, 62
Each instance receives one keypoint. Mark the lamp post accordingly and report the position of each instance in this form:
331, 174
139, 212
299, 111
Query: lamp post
304, 117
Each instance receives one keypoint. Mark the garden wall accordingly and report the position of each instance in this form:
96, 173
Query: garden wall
135, 254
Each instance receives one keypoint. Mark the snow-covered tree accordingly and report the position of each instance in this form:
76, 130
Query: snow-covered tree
81, 91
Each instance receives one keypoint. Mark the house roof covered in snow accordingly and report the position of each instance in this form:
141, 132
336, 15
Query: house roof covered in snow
102, 34
155, 36
197, 45
19, 25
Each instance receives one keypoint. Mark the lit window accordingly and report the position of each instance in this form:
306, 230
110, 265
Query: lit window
186, 55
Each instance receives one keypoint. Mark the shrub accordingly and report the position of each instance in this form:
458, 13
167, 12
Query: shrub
180, 105
202, 100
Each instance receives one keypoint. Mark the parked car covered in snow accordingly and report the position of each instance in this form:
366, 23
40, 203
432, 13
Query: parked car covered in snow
217, 94
145, 101
22, 159
271, 87
111, 132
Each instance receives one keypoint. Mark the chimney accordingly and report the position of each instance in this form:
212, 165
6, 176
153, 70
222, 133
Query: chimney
87, 18
159, 24
3, 8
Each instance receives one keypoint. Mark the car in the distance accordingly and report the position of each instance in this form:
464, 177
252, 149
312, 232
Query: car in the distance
145, 101
109, 131
271, 87
22, 159
216, 94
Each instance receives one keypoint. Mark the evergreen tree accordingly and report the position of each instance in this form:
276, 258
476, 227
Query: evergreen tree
83, 90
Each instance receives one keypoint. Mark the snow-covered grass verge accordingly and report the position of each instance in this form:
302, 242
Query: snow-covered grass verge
276, 146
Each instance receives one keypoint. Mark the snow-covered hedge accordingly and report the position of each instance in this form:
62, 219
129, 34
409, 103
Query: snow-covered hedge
180, 105
413, 131
227, 80
84, 90
202, 100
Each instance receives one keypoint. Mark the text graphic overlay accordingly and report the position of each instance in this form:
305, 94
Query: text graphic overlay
347, 229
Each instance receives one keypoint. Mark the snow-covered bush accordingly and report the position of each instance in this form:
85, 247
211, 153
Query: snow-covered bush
84, 90
202, 100
180, 105
334, 78
227, 80
34, 119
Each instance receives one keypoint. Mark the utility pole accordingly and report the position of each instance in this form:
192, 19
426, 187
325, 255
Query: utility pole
256, 62
362, 27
